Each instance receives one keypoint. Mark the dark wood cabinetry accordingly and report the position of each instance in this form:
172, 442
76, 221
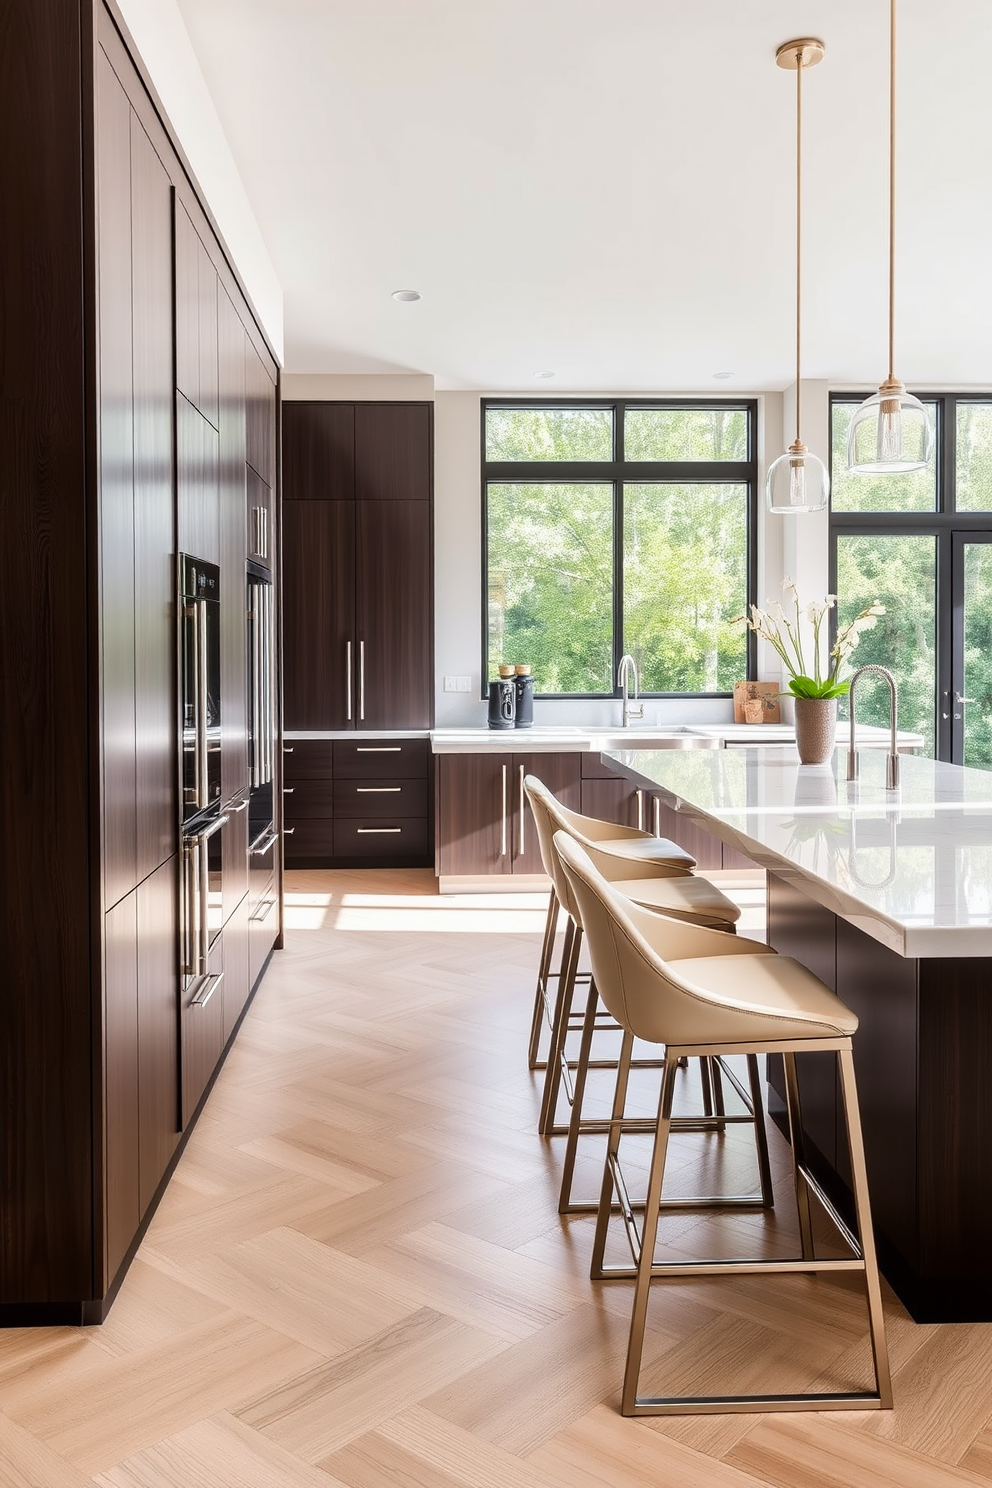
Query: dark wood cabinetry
126, 338
358, 801
358, 627
484, 823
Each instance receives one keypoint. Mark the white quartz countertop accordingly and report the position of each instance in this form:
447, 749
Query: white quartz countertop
911, 868
544, 738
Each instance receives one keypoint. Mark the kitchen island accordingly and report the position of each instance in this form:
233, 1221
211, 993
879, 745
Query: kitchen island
887, 897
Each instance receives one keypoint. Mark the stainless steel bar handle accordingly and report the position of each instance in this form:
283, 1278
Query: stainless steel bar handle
241, 806
270, 691
502, 828
347, 681
378, 748
640, 811
254, 721
262, 911
264, 514
378, 790
361, 680
191, 931
523, 802
204, 952
207, 991
656, 815
261, 848
378, 831
202, 787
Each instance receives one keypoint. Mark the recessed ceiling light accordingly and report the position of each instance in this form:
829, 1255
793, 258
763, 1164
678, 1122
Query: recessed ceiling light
722, 376
544, 374
406, 296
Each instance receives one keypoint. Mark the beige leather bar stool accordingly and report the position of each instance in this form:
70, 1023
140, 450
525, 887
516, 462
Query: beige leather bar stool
626, 842
673, 892
700, 993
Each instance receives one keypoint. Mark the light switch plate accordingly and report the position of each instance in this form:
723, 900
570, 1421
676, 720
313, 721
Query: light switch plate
458, 684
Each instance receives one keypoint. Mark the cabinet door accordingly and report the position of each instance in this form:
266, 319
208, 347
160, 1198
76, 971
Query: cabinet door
231, 504
318, 451
158, 1026
393, 451
187, 307
475, 814
154, 520
122, 1210
202, 1036
665, 822
207, 308
236, 965
116, 475
393, 614
613, 800
261, 415
320, 657
197, 483
561, 774
260, 519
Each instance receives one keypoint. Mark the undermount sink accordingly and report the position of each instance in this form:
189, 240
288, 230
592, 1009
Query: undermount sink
648, 738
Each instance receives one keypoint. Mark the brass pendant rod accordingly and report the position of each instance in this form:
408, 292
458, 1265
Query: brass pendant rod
892, 186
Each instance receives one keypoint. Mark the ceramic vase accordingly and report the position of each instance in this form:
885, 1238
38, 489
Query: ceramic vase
816, 724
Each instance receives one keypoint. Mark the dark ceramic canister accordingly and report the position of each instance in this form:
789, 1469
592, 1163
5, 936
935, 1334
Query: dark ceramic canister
524, 684
503, 700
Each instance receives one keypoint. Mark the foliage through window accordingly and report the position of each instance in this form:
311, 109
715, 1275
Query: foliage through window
615, 527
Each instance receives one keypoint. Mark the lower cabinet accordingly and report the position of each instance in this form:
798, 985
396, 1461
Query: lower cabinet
263, 924
484, 824
141, 1051
202, 1033
237, 982
358, 801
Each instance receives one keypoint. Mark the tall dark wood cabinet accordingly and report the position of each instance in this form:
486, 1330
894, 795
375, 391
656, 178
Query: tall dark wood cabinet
357, 607
128, 350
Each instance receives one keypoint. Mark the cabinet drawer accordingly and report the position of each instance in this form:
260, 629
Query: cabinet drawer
310, 843
308, 798
380, 798
263, 924
307, 759
395, 837
393, 758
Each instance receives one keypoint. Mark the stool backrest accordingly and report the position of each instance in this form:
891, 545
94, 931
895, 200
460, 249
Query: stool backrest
636, 979
548, 821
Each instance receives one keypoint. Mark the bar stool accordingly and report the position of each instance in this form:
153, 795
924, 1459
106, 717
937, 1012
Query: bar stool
701, 993
681, 895
625, 842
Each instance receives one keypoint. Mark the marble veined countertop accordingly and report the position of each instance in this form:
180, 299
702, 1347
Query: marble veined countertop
911, 868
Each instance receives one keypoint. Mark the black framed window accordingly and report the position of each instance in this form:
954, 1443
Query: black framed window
919, 543
619, 525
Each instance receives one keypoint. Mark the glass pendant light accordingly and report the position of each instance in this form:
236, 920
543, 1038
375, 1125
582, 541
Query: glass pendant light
892, 431
798, 481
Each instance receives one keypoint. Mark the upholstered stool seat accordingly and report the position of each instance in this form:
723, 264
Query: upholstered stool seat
701, 992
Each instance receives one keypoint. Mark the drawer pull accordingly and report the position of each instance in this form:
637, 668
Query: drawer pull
262, 912
378, 748
207, 990
287, 749
287, 790
377, 831
378, 790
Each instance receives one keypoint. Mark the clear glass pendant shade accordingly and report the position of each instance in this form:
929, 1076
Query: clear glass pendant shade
797, 482
890, 433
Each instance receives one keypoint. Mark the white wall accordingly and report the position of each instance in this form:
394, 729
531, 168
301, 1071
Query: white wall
163, 43
458, 571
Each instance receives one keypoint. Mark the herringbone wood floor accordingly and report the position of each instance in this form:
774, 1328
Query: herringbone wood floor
358, 1276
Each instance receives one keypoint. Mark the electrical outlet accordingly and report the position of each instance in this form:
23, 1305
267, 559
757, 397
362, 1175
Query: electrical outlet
458, 684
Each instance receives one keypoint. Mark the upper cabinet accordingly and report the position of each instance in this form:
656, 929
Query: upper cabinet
357, 565
196, 319
260, 412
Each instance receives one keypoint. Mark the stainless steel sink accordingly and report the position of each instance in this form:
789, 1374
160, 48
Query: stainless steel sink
657, 739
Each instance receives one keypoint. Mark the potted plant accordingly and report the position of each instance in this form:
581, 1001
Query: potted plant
815, 684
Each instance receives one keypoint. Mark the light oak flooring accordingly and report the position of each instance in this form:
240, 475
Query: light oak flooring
358, 1276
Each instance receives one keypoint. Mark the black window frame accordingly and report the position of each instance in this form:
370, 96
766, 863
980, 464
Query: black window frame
943, 522
619, 472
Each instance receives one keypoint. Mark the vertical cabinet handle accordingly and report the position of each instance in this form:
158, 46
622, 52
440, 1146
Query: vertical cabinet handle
523, 803
361, 681
656, 814
347, 682
502, 821
202, 703
640, 811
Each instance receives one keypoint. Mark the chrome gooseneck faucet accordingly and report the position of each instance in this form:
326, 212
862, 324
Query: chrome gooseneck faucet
892, 763
629, 710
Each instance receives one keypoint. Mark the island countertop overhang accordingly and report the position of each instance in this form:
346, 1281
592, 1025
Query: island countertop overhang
912, 869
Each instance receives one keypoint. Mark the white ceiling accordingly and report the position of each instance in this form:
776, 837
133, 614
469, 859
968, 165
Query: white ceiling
604, 188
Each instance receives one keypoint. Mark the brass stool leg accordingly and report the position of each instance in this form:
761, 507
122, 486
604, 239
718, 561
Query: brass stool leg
797, 1143
859, 1173
612, 1157
649, 1230
559, 1031
760, 1133
544, 974
578, 1094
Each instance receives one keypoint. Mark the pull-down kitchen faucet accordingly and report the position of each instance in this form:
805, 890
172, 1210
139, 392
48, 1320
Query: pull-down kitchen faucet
628, 709
892, 763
